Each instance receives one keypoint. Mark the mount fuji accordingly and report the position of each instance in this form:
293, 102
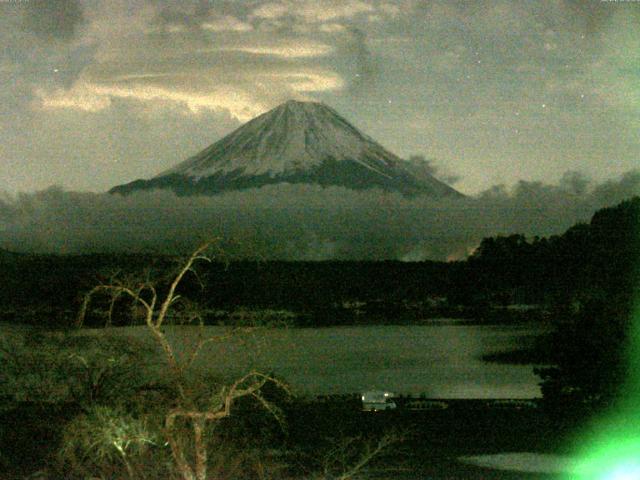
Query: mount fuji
296, 142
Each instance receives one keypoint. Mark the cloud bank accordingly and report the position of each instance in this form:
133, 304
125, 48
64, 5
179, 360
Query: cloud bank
301, 222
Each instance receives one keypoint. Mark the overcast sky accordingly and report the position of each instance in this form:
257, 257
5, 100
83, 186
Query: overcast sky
95, 93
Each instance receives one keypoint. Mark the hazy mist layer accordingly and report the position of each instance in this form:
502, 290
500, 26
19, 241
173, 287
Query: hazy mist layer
300, 222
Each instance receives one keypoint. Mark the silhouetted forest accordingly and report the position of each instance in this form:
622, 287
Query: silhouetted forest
589, 262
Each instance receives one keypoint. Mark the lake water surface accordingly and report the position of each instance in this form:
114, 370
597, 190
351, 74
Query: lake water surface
441, 360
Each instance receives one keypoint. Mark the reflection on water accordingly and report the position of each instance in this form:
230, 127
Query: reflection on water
442, 360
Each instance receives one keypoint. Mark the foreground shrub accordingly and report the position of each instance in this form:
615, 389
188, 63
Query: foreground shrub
108, 442
62, 367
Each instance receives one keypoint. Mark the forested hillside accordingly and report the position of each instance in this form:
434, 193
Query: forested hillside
588, 262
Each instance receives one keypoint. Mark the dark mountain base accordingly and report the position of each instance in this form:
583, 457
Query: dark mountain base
348, 174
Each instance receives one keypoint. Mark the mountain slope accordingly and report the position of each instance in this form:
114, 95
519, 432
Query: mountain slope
297, 142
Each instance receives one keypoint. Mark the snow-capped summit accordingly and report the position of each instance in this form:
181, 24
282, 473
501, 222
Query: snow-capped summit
293, 137
296, 142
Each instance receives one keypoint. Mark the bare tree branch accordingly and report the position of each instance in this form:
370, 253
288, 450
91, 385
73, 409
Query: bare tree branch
156, 311
370, 452
195, 256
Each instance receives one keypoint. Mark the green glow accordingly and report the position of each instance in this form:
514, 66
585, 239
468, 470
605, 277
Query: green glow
610, 447
624, 472
619, 459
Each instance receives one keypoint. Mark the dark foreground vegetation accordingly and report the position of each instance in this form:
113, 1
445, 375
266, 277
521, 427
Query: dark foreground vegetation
322, 440
95, 416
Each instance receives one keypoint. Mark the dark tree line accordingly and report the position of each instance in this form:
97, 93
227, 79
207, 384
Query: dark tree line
588, 352
588, 262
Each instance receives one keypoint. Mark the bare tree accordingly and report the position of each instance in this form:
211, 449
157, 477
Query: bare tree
349, 456
155, 308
